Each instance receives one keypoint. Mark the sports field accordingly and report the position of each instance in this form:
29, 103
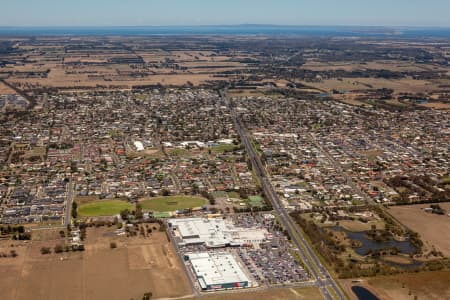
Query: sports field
172, 203
103, 208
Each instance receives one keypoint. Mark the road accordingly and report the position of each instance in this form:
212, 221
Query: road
186, 272
323, 279
67, 216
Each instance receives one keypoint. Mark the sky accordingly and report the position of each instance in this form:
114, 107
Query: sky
224, 12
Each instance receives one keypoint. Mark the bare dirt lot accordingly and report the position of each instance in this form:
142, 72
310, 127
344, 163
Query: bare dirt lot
433, 229
437, 105
428, 285
136, 266
310, 293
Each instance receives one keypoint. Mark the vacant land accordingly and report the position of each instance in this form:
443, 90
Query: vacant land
172, 203
136, 266
427, 285
437, 105
223, 148
433, 229
103, 208
357, 226
310, 293
4, 89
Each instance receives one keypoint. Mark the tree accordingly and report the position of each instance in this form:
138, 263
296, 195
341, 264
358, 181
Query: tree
195, 188
13, 253
124, 214
139, 214
73, 167
58, 249
74, 210
45, 250
113, 245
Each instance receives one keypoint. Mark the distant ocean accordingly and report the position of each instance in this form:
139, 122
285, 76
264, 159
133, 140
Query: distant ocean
324, 31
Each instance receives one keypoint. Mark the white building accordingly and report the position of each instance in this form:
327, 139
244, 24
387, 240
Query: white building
216, 271
139, 146
215, 233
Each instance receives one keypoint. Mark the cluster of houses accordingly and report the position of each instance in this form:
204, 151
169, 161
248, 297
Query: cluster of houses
121, 145
12, 102
37, 203
330, 153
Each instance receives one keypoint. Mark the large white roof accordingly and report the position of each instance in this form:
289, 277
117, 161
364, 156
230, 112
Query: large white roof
217, 268
215, 232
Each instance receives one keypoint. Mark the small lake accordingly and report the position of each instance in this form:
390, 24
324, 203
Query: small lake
363, 293
367, 244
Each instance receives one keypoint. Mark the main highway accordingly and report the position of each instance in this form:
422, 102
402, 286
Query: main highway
320, 274
67, 216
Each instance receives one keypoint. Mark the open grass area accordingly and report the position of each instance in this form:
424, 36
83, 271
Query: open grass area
103, 208
172, 203
223, 148
256, 201
358, 226
85, 199
233, 195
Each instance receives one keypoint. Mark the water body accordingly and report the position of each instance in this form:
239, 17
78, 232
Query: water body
368, 244
325, 31
363, 293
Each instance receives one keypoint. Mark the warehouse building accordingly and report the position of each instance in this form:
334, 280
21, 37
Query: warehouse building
216, 271
214, 233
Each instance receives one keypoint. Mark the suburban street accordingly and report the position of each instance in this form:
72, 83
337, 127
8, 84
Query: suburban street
323, 279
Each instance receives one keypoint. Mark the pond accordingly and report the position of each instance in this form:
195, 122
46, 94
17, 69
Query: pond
368, 244
363, 293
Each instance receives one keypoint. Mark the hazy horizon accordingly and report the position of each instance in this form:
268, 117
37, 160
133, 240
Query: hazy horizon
63, 13
243, 29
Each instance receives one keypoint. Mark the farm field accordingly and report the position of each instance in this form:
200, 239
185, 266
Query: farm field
433, 229
171, 203
103, 208
399, 86
136, 266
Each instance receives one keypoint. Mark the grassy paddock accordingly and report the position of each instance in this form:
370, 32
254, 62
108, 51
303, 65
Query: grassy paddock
171, 203
223, 148
103, 208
